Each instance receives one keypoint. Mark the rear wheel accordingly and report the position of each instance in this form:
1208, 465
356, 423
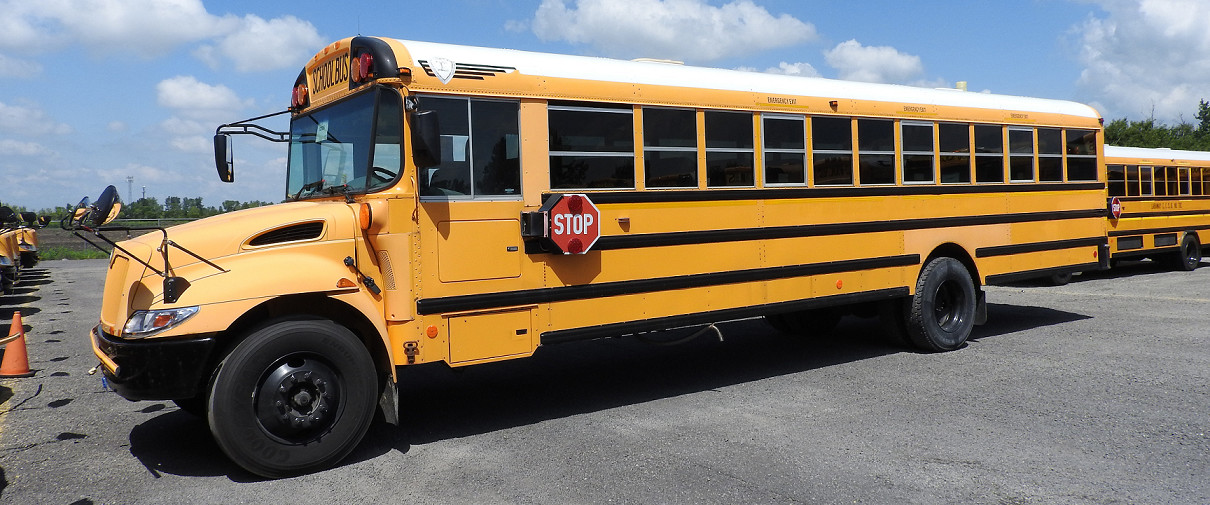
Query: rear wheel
1190, 255
294, 397
942, 312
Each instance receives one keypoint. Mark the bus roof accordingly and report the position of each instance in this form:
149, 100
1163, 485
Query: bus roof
1155, 153
665, 74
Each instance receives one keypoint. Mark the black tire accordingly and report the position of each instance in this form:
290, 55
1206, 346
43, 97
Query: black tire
942, 312
195, 406
313, 390
1190, 255
1060, 279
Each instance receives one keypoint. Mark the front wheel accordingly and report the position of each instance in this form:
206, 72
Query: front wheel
942, 312
294, 397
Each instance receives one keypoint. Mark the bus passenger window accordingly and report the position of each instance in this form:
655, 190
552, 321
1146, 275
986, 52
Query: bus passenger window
832, 150
1161, 183
1132, 180
1050, 155
989, 153
670, 148
955, 144
1081, 155
876, 151
1021, 154
917, 152
1117, 180
591, 147
1174, 188
1198, 175
730, 159
785, 149
480, 149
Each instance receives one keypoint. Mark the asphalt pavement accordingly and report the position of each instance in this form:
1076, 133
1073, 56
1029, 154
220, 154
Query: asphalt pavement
1093, 392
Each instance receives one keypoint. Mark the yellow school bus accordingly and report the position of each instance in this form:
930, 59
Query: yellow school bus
464, 205
1160, 204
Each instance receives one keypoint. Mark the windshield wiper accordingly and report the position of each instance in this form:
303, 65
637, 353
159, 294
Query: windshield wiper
343, 189
310, 186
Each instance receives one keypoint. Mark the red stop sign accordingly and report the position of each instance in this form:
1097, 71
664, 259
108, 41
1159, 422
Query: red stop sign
1115, 207
575, 224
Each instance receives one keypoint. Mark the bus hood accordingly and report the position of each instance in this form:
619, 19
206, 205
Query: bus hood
216, 237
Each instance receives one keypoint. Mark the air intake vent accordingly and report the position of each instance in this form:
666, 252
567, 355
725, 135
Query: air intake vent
292, 233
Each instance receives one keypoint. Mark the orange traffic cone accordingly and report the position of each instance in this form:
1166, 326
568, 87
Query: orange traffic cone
16, 361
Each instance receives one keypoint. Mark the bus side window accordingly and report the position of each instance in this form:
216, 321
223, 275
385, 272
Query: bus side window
1081, 155
1050, 155
989, 153
1117, 180
832, 150
955, 145
1145, 180
479, 148
1132, 180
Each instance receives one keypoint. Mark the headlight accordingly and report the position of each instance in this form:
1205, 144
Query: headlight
5, 262
145, 323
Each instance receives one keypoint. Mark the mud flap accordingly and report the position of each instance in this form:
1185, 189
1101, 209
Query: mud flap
980, 307
388, 401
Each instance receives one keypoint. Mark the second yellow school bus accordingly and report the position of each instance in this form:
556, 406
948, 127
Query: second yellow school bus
1162, 200
464, 205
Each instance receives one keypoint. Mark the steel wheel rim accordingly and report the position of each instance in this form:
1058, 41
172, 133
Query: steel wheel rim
298, 399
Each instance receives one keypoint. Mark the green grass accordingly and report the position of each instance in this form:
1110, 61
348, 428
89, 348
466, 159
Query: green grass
61, 253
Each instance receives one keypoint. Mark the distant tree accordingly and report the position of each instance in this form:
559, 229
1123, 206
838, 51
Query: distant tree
1148, 133
1203, 118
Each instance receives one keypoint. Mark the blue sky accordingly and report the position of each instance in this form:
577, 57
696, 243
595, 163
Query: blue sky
95, 91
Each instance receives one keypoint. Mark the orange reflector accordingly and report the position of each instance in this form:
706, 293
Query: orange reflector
1094, 254
365, 216
345, 283
839, 284
431, 331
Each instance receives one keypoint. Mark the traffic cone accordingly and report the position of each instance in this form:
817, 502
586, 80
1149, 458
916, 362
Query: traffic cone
16, 361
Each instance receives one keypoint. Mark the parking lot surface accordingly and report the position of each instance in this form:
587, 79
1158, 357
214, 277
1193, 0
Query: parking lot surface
1093, 392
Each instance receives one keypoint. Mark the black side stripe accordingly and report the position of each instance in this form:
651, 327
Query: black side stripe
1036, 274
817, 230
1174, 229
1148, 198
1053, 245
616, 329
617, 288
1170, 213
695, 195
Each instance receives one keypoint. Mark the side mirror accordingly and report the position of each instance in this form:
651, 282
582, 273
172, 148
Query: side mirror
43, 221
76, 219
7, 216
29, 218
107, 207
223, 159
426, 139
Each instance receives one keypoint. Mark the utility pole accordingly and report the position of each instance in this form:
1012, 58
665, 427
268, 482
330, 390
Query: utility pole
130, 188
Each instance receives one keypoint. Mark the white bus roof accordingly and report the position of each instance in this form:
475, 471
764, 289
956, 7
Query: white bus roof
1155, 153
664, 74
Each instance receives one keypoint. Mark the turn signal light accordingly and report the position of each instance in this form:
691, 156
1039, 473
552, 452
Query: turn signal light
365, 216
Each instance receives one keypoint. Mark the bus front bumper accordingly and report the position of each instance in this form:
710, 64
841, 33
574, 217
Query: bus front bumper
153, 369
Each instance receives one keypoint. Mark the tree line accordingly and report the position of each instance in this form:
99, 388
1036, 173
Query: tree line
1149, 133
174, 207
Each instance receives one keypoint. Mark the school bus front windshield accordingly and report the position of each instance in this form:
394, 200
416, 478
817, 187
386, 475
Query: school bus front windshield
331, 148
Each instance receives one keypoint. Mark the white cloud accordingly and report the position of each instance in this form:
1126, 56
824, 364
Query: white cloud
10, 147
689, 30
883, 64
1147, 57
106, 25
198, 99
258, 45
30, 121
784, 68
150, 28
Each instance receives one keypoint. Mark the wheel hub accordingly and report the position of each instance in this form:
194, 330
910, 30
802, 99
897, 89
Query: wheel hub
298, 400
